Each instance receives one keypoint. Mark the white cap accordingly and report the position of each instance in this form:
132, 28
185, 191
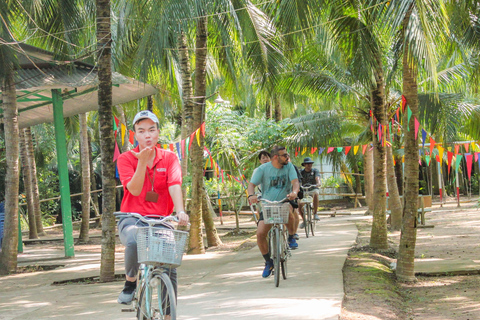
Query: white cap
145, 114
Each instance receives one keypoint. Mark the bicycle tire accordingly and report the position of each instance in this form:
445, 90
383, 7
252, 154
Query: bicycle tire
157, 301
307, 217
277, 256
313, 225
284, 256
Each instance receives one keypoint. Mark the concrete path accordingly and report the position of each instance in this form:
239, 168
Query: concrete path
212, 286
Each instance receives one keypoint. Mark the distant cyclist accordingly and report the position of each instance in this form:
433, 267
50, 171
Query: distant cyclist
278, 178
310, 176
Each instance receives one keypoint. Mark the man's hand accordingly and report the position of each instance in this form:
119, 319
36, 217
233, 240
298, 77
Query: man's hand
145, 155
253, 199
292, 195
183, 218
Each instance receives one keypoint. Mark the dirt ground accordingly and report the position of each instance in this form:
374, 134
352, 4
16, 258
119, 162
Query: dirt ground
371, 291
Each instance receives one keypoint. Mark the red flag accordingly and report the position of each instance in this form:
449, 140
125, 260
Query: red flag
456, 148
116, 153
432, 144
476, 156
296, 151
417, 124
347, 149
202, 129
468, 158
404, 102
364, 147
116, 120
330, 149
171, 147
398, 114
449, 160
466, 145
131, 137
313, 150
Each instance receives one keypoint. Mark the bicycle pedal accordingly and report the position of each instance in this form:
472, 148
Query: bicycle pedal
128, 310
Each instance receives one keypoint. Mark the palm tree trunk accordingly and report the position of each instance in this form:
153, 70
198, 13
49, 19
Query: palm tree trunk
187, 92
32, 226
399, 174
394, 203
93, 181
368, 180
8, 255
406, 252
84, 228
278, 109
213, 239
107, 266
34, 183
268, 110
378, 237
196, 238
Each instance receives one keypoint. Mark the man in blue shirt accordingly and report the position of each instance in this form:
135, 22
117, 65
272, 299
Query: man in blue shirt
278, 178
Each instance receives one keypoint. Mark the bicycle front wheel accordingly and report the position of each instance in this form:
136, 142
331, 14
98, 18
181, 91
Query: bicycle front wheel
284, 255
307, 219
157, 298
313, 225
277, 256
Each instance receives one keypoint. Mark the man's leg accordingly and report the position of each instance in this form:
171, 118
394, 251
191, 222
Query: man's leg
262, 233
291, 229
127, 229
315, 206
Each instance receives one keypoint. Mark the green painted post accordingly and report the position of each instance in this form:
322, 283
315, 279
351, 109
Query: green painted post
61, 142
20, 243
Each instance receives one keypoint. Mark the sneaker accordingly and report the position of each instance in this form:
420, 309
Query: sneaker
302, 225
316, 217
296, 236
268, 269
126, 296
292, 243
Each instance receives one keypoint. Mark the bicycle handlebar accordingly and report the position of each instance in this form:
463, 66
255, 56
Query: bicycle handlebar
307, 187
147, 219
268, 201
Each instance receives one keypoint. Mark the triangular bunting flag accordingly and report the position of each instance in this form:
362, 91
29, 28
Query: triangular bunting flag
192, 137
466, 145
468, 159
116, 152
476, 156
424, 136
456, 148
131, 137
432, 144
197, 133
417, 124
364, 147
330, 149
313, 150
115, 123
182, 143
202, 129
355, 149
449, 160
347, 149
320, 151
179, 151
457, 161
427, 160
339, 149
440, 153
122, 132
409, 115
296, 151
404, 102
304, 150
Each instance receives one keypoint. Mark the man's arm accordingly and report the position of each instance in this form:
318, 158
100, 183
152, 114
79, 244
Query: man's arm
295, 188
317, 179
177, 198
252, 197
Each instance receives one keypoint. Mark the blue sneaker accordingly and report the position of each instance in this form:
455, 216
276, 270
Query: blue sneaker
292, 243
268, 269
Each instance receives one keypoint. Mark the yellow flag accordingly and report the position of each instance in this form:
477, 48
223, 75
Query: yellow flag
473, 146
198, 136
440, 153
355, 149
403, 159
304, 150
165, 146
122, 130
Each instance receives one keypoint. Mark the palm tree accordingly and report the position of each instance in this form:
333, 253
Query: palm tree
107, 142
8, 256
84, 151
32, 226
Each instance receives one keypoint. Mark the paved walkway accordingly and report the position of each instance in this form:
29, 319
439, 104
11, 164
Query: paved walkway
212, 286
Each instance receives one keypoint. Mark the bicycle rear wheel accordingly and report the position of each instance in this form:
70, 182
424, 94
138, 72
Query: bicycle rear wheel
277, 255
157, 298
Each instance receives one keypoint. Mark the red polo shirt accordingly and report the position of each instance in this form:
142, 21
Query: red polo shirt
167, 173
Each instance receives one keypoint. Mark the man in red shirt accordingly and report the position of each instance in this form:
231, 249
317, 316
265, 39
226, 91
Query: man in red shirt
152, 180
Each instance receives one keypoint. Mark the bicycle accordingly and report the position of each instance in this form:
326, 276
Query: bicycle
309, 220
277, 213
159, 250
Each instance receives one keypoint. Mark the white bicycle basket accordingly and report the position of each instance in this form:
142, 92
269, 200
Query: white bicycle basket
275, 212
161, 246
